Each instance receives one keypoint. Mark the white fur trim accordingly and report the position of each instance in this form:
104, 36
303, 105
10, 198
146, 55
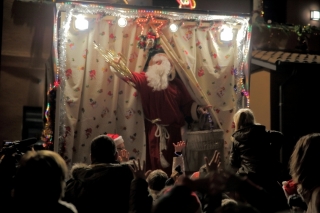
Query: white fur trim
118, 140
78, 168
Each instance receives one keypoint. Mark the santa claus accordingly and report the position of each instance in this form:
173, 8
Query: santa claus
167, 106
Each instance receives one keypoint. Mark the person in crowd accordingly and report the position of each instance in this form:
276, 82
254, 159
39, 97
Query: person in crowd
233, 207
177, 164
303, 169
295, 200
204, 171
148, 186
253, 156
142, 202
39, 184
167, 106
178, 196
140, 199
215, 162
103, 185
123, 154
156, 182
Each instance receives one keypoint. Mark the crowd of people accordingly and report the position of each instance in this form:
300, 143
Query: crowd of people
251, 182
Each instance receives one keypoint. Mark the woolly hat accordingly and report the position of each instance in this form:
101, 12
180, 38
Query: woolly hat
116, 138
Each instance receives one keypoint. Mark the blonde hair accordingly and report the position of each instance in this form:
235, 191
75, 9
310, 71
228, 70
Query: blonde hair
157, 179
41, 176
243, 118
304, 156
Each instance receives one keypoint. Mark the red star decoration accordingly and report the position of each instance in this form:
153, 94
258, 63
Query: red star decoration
56, 83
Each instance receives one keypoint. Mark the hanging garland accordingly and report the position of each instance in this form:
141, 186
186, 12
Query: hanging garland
303, 31
47, 132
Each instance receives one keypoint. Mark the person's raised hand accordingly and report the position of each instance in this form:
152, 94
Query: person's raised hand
179, 146
138, 171
124, 155
214, 164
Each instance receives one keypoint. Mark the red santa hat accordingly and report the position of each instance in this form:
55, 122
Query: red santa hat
116, 138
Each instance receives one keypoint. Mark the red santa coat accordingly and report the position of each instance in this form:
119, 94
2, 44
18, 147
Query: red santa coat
171, 106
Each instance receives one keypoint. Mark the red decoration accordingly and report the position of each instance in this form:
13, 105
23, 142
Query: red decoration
187, 3
56, 83
149, 41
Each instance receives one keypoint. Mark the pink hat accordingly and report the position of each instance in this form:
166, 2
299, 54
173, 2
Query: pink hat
117, 138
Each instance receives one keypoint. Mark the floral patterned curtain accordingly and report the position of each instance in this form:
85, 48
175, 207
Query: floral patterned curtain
94, 101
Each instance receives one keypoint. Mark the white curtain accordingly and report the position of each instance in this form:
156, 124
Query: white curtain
94, 101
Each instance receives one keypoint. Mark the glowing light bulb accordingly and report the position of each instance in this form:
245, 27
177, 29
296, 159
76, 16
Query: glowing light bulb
122, 22
315, 15
173, 27
81, 23
226, 34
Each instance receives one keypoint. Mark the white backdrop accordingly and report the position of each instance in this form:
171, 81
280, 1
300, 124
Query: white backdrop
94, 101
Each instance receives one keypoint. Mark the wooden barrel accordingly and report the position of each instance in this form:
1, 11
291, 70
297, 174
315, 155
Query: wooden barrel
200, 144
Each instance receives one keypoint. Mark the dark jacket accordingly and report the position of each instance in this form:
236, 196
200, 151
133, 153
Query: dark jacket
140, 199
36, 207
255, 151
99, 188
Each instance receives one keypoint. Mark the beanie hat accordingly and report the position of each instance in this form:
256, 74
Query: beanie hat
116, 138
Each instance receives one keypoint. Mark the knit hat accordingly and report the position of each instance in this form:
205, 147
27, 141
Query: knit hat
116, 138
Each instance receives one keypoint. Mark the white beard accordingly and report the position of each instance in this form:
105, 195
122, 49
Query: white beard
158, 75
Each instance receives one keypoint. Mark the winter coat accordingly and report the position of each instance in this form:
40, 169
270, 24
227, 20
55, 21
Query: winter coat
255, 151
140, 199
99, 187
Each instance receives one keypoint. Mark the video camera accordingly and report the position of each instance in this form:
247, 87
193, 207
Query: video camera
17, 146
14, 150
10, 156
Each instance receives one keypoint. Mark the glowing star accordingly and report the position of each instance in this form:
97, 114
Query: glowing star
56, 83
187, 3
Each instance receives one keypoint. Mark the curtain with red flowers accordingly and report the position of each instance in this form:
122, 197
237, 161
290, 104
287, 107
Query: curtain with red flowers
94, 101
210, 68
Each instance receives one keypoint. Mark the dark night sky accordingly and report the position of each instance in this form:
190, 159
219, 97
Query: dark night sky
279, 11
229, 6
